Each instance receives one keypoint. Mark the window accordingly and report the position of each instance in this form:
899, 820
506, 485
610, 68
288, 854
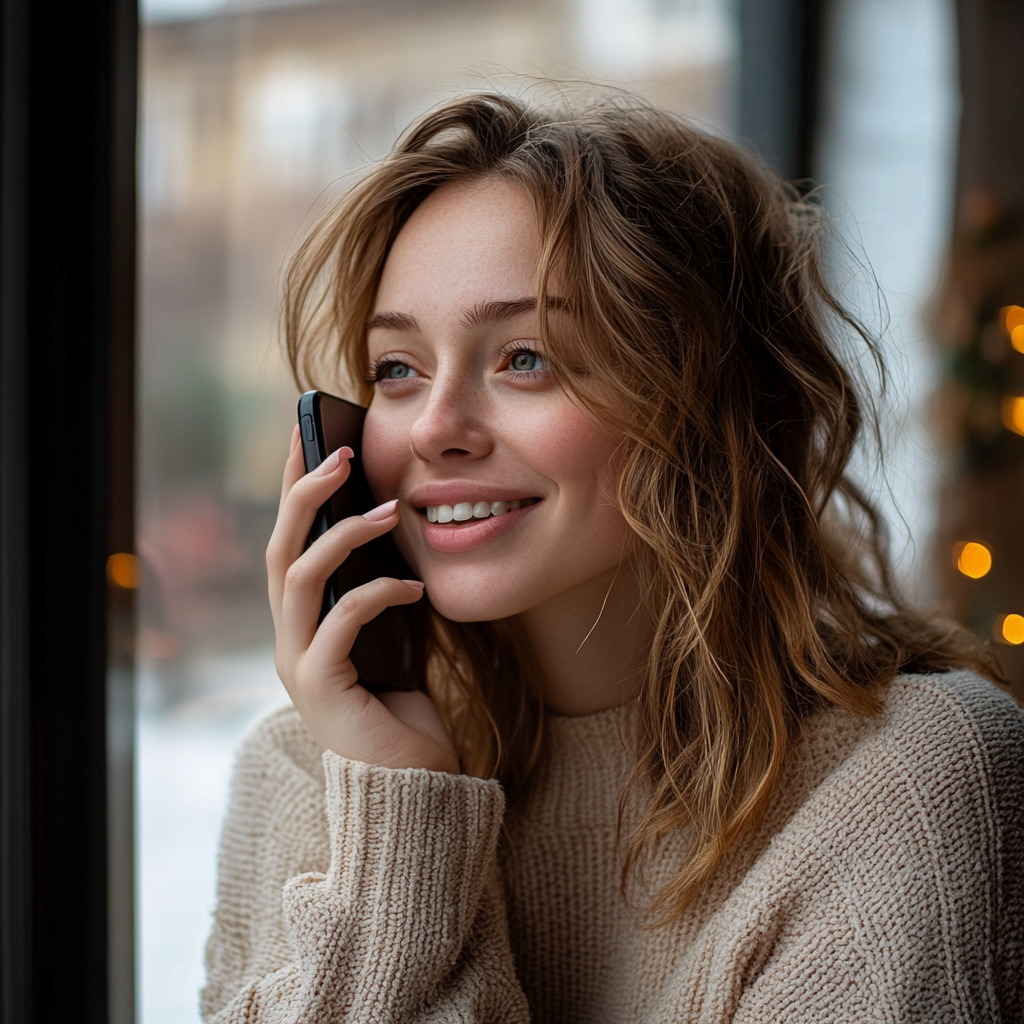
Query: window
253, 116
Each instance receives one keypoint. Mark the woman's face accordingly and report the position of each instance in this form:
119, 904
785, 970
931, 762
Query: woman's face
466, 426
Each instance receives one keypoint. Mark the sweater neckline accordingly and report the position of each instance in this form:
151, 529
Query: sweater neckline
584, 764
607, 717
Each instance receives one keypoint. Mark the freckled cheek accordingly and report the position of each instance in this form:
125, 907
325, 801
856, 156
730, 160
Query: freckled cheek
385, 455
573, 451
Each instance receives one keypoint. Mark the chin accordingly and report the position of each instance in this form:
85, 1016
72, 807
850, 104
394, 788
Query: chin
461, 601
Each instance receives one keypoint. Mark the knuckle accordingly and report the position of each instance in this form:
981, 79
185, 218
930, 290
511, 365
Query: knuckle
273, 557
306, 494
295, 577
341, 538
349, 606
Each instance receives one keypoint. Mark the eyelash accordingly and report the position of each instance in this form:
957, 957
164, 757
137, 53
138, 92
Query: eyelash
509, 352
379, 367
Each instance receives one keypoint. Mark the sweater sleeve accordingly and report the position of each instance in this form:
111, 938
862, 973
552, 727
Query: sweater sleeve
386, 908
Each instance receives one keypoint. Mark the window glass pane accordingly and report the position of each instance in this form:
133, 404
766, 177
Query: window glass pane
252, 115
885, 156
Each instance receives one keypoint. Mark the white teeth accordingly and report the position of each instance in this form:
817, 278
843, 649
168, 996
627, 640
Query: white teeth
466, 510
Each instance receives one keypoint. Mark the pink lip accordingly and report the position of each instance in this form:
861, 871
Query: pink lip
472, 534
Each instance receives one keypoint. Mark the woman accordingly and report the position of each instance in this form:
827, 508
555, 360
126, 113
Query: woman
685, 755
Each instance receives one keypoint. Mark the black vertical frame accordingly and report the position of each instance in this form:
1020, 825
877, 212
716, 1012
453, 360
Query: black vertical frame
67, 270
779, 81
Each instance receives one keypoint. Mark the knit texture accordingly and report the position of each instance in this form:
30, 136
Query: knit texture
887, 883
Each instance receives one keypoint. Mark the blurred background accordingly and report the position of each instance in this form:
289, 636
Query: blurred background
255, 113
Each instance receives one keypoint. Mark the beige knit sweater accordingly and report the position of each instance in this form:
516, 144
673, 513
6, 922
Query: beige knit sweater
886, 885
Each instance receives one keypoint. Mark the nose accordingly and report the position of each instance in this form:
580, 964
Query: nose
452, 425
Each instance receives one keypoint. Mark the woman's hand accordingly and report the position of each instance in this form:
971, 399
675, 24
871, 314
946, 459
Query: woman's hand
395, 730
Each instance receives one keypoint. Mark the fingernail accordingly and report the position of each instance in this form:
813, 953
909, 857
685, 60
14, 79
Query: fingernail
331, 463
415, 584
375, 515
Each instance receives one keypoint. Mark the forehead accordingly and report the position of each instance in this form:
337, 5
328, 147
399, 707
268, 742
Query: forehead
466, 243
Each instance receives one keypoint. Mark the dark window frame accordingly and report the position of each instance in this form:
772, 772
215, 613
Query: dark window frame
67, 311
778, 107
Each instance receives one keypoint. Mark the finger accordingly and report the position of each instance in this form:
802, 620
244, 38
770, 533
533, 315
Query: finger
330, 648
302, 587
293, 467
299, 505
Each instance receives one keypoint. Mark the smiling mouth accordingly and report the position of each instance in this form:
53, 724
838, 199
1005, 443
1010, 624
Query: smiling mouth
468, 511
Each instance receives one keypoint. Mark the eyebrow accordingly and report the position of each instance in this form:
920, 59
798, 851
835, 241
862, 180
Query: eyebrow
476, 316
394, 321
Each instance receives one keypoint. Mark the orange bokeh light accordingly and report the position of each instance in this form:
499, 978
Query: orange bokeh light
124, 570
972, 559
1011, 317
1017, 338
1010, 629
1013, 414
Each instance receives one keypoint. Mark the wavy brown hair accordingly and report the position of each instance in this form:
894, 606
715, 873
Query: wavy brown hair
694, 284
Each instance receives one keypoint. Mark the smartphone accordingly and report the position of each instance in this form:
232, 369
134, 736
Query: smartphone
389, 651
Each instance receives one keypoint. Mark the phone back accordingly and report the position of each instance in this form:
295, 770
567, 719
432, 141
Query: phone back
389, 651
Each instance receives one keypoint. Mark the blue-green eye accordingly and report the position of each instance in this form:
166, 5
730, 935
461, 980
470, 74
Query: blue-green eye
526, 361
393, 369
